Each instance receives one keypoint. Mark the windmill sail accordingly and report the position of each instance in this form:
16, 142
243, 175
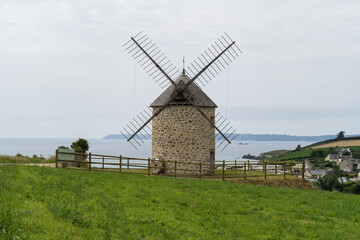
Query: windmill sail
151, 59
203, 69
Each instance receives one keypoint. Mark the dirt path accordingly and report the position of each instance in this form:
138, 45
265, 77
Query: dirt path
345, 143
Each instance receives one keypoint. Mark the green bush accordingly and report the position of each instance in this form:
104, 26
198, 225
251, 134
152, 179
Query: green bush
353, 188
356, 155
318, 153
298, 148
329, 183
63, 147
80, 146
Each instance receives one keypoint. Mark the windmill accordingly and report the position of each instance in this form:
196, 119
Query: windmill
184, 125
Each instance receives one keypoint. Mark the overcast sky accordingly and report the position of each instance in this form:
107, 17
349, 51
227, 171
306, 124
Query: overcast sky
63, 72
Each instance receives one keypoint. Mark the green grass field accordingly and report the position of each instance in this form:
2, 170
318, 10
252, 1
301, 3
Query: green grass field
48, 203
292, 155
306, 153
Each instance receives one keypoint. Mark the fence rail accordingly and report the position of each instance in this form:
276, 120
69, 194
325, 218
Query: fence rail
247, 169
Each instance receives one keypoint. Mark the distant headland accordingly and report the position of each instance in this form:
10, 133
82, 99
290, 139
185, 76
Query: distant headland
260, 137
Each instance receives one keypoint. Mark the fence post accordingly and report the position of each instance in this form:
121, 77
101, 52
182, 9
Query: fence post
200, 170
284, 167
127, 163
303, 169
248, 164
89, 161
56, 159
148, 166
223, 175
175, 167
264, 170
263, 165
120, 161
291, 169
103, 162
235, 164
245, 171
275, 168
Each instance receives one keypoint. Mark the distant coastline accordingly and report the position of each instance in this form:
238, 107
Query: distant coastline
260, 137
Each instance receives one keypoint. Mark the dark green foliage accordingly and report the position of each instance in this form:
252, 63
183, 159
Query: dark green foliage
330, 181
356, 155
346, 153
298, 148
353, 188
63, 147
329, 164
340, 135
318, 153
80, 146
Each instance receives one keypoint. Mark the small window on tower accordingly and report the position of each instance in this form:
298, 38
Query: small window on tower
212, 124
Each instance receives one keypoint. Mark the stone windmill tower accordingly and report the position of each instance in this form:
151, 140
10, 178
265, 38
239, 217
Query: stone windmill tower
185, 127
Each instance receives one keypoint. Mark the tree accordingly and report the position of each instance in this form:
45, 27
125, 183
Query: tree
330, 181
341, 135
80, 146
346, 153
298, 148
353, 188
356, 155
317, 153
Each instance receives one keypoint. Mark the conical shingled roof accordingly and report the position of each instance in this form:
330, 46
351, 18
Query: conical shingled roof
197, 95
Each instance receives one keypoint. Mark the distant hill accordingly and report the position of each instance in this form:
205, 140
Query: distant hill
343, 142
260, 137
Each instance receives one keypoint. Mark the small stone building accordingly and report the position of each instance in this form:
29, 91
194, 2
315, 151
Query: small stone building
180, 133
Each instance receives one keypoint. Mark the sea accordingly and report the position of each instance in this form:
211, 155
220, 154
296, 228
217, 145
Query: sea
46, 147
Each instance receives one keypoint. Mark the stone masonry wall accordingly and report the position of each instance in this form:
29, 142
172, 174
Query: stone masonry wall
181, 134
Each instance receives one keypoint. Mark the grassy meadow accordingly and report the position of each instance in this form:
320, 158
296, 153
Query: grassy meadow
47, 203
25, 159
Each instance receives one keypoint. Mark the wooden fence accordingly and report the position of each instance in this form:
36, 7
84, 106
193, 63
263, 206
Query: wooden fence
236, 169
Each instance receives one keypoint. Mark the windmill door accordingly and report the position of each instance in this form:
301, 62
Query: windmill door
212, 160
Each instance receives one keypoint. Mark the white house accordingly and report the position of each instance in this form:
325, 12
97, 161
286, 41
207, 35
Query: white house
332, 157
315, 173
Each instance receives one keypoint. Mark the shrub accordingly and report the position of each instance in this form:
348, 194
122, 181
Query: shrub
353, 188
329, 183
63, 147
356, 155
340, 135
317, 153
80, 146
19, 155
